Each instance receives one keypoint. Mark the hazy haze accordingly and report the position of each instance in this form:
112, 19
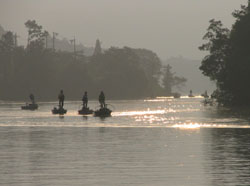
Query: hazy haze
169, 27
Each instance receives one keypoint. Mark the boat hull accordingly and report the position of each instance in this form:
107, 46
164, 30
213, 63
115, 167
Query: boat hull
103, 112
30, 107
60, 111
85, 111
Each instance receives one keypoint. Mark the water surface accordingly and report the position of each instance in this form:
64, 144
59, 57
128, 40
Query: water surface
146, 142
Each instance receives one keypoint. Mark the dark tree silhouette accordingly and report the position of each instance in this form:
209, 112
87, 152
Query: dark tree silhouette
36, 36
170, 80
122, 73
98, 48
228, 62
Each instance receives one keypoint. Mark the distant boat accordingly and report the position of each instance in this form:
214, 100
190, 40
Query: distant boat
191, 94
205, 95
32, 106
176, 95
209, 101
85, 111
103, 112
59, 110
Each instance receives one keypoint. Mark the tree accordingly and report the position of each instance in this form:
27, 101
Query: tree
7, 45
213, 65
7, 42
36, 35
228, 62
118, 72
98, 48
170, 80
122, 73
151, 65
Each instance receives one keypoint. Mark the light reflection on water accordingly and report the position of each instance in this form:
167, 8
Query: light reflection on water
169, 142
177, 113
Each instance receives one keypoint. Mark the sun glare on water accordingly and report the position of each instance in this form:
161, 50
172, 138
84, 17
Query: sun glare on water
137, 113
199, 126
188, 126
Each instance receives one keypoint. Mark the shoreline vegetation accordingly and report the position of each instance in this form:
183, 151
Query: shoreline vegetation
122, 73
228, 61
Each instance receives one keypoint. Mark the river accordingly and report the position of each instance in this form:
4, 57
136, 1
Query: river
157, 142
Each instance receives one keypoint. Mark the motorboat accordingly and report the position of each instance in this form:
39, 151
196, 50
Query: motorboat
59, 110
103, 112
85, 111
32, 106
176, 95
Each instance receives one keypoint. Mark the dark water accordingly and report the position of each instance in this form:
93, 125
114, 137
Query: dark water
152, 142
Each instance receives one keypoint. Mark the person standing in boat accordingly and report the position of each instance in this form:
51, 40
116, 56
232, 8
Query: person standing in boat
85, 100
61, 99
190, 94
32, 98
206, 95
102, 100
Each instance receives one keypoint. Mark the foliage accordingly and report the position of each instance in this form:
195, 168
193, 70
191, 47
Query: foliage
228, 62
98, 48
170, 80
36, 35
122, 73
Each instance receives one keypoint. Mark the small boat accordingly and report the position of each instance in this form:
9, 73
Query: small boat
205, 95
85, 111
32, 106
59, 110
176, 95
208, 101
103, 112
191, 94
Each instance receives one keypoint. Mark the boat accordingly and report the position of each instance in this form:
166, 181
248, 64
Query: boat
191, 94
176, 95
32, 106
103, 112
205, 95
208, 101
85, 111
59, 110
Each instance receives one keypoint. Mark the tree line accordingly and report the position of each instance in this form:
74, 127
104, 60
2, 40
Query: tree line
228, 61
122, 73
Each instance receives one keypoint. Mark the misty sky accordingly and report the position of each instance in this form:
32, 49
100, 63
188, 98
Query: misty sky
168, 27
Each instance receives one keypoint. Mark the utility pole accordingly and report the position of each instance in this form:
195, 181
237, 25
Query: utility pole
75, 47
46, 35
15, 39
74, 43
46, 41
54, 37
28, 41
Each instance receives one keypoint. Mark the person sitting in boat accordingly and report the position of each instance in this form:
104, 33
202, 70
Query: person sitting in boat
32, 98
85, 100
61, 99
102, 99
